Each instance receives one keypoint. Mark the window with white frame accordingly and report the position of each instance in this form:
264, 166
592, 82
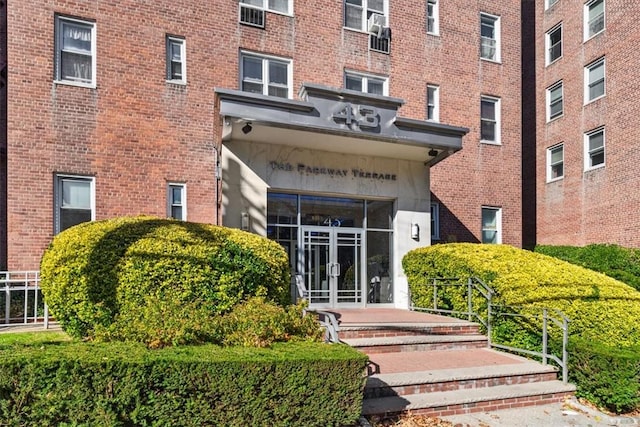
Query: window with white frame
491, 225
75, 55
176, 60
554, 101
74, 201
280, 6
375, 85
555, 162
594, 149
490, 119
490, 37
433, 24
594, 81
549, 3
177, 201
435, 221
593, 18
266, 75
553, 43
358, 12
433, 103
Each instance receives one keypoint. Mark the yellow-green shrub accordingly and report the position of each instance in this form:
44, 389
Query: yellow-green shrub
156, 281
600, 308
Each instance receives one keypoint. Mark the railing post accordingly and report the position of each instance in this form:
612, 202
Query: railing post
7, 298
469, 300
565, 352
435, 293
489, 317
544, 336
46, 316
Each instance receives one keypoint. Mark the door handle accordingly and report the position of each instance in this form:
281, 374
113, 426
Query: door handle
337, 264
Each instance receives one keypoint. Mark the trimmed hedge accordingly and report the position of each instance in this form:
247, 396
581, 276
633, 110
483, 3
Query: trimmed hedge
615, 261
159, 281
606, 376
604, 313
600, 308
125, 384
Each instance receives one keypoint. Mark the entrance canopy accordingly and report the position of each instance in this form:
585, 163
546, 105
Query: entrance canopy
336, 120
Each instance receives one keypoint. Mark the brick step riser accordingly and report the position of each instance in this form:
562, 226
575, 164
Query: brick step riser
488, 406
399, 348
388, 391
378, 333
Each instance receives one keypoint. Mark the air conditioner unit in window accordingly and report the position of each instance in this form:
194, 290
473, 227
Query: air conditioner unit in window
250, 15
376, 23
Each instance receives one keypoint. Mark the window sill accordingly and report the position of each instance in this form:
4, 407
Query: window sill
77, 84
494, 61
594, 168
356, 30
553, 119
433, 34
560, 178
177, 82
487, 142
554, 61
594, 36
591, 101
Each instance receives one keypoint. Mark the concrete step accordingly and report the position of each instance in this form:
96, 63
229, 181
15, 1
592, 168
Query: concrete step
439, 380
391, 330
470, 400
406, 343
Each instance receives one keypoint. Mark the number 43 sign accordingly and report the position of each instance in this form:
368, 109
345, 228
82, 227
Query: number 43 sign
358, 116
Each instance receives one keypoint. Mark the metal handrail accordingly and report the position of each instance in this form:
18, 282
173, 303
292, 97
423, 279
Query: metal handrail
476, 287
26, 284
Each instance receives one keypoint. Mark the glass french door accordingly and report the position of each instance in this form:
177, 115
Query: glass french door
332, 260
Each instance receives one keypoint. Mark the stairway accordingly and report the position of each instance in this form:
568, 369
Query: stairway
440, 366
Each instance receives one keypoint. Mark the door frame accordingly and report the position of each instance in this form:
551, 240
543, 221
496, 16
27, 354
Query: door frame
333, 266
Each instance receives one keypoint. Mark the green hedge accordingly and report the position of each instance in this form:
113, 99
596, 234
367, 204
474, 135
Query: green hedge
58, 383
604, 312
600, 308
158, 279
606, 376
615, 261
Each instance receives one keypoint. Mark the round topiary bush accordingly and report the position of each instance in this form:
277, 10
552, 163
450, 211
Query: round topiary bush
157, 281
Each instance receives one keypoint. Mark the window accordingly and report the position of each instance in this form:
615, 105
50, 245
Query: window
491, 225
74, 201
176, 60
365, 83
490, 120
75, 57
549, 3
594, 80
266, 75
554, 101
593, 18
357, 12
489, 37
553, 41
281, 6
432, 17
555, 162
177, 201
594, 149
433, 103
435, 221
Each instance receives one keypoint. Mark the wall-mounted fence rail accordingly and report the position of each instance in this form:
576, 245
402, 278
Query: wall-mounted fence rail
447, 296
21, 301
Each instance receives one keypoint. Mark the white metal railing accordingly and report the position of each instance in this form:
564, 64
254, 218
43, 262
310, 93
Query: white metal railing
21, 299
480, 307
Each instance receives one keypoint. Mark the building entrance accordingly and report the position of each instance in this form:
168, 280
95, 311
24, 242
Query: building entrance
340, 248
332, 265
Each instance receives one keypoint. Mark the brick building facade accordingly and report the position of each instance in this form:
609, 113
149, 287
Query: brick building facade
587, 115
125, 108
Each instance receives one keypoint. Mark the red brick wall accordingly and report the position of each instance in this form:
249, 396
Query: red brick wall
135, 132
480, 174
599, 205
3, 135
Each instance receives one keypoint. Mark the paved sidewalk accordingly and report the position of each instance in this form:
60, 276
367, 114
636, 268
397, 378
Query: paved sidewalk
568, 414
